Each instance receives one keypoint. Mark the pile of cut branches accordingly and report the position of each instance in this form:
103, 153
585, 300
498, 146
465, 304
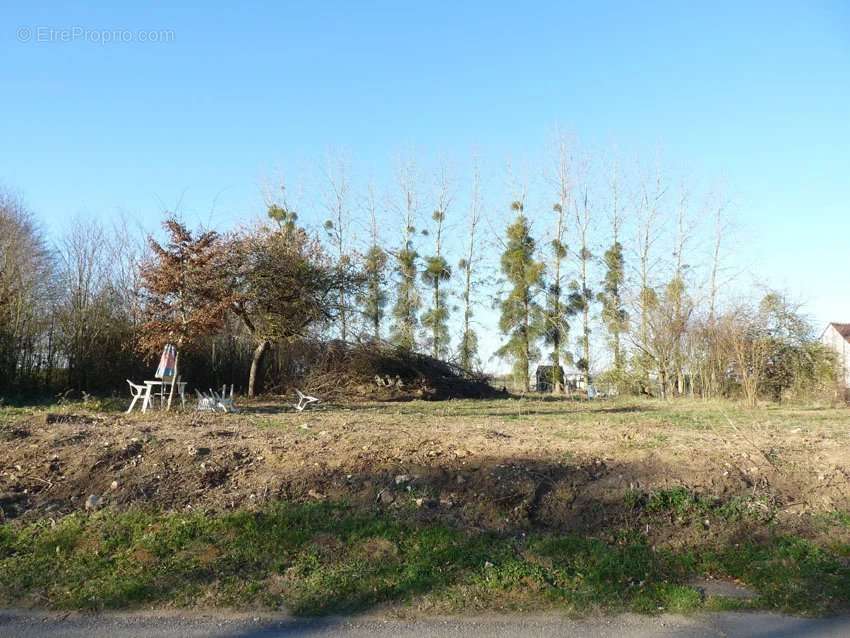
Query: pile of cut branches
376, 370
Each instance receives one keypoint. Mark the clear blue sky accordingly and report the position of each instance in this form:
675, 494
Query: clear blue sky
757, 92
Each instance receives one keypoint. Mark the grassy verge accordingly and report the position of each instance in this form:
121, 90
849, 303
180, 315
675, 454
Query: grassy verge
328, 558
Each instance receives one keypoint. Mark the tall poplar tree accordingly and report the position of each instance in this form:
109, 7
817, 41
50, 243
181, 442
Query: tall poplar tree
373, 299
557, 311
581, 296
437, 273
522, 317
614, 314
677, 292
337, 227
468, 351
649, 214
407, 304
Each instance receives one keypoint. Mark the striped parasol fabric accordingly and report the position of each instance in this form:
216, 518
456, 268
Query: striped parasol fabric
165, 370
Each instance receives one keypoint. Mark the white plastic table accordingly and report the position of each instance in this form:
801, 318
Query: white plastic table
149, 393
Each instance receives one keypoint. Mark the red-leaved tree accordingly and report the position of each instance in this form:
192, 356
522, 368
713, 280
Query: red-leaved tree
184, 292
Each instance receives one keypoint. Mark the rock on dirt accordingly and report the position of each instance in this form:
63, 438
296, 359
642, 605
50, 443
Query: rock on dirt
711, 587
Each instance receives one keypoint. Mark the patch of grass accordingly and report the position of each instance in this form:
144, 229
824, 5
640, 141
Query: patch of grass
262, 421
16, 408
678, 500
316, 558
10, 413
686, 504
106, 404
789, 573
839, 518
326, 558
655, 440
586, 572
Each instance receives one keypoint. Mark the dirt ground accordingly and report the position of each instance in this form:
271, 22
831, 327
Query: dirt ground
503, 465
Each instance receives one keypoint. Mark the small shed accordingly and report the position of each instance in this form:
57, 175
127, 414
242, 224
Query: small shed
545, 378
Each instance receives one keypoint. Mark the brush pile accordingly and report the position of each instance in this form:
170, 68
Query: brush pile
378, 371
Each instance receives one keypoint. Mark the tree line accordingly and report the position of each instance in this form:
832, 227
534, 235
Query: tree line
623, 276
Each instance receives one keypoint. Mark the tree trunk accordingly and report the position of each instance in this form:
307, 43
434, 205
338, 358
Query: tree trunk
527, 345
556, 362
618, 356
343, 320
436, 327
586, 341
255, 381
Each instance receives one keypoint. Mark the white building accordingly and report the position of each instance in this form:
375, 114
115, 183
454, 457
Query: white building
837, 337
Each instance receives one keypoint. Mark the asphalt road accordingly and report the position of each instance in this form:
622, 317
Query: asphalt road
22, 624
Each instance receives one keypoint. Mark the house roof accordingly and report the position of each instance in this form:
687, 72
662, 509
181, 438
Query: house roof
843, 329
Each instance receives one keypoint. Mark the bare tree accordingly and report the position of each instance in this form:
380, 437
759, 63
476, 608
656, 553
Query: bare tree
84, 280
614, 314
338, 227
745, 338
437, 273
408, 301
707, 352
557, 310
373, 299
721, 230
27, 294
127, 251
582, 296
657, 350
677, 290
468, 266
650, 197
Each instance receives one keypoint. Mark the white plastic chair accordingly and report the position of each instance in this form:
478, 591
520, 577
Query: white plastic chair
222, 401
138, 392
205, 403
212, 401
304, 400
